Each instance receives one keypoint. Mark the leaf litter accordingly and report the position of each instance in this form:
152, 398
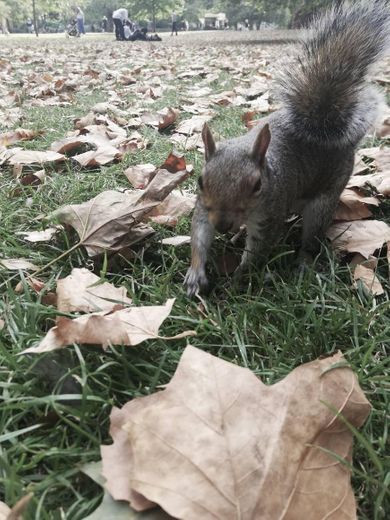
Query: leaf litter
107, 131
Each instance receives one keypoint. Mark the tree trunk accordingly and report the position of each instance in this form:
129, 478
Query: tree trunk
35, 18
154, 17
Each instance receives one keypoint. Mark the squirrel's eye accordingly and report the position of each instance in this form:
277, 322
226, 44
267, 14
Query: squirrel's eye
200, 183
257, 186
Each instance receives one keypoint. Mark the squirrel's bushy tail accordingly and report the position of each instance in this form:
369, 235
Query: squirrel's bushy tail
327, 99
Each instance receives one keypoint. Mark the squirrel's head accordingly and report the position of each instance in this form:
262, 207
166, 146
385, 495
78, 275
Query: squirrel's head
231, 180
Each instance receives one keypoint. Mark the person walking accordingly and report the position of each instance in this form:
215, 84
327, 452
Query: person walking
119, 17
30, 26
103, 24
174, 23
80, 20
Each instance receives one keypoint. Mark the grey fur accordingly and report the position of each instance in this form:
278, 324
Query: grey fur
326, 97
328, 108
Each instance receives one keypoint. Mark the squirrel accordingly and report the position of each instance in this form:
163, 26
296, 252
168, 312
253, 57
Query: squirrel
299, 158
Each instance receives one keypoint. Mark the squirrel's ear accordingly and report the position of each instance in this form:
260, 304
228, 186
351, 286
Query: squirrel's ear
208, 140
261, 145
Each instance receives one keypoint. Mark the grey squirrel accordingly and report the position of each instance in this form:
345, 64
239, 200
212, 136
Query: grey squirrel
299, 158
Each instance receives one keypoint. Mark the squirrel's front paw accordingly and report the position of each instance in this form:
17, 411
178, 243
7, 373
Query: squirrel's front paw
195, 281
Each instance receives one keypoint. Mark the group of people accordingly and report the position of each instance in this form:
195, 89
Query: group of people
125, 29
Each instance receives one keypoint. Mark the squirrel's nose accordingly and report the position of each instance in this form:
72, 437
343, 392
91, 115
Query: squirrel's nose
224, 226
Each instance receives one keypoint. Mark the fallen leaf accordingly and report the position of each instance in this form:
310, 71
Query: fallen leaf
174, 206
247, 119
83, 291
111, 509
33, 179
354, 206
379, 180
140, 175
163, 183
17, 512
380, 155
360, 236
176, 241
162, 119
247, 436
129, 327
103, 155
16, 264
40, 236
368, 278
133, 143
19, 156
193, 125
20, 134
192, 142
107, 222
174, 163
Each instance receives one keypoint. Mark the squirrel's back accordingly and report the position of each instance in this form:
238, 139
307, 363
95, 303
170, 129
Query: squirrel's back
326, 97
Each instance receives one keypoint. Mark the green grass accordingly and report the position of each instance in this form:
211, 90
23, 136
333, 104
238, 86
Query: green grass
55, 407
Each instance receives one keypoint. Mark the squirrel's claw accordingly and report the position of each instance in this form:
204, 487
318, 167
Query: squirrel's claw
195, 281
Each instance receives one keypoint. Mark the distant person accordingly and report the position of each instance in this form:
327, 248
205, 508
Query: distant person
174, 23
127, 30
4, 25
119, 17
104, 24
30, 26
80, 20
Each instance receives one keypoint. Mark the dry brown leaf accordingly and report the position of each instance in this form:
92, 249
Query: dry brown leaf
247, 436
34, 283
129, 327
379, 180
40, 236
173, 207
381, 156
20, 134
163, 183
69, 144
176, 241
108, 222
83, 291
261, 104
32, 179
140, 175
174, 163
103, 155
193, 125
16, 264
20, 156
368, 278
257, 87
16, 513
354, 206
162, 119
133, 143
192, 142
360, 236
247, 119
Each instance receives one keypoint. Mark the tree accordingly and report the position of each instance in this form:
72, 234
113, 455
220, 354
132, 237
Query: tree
153, 9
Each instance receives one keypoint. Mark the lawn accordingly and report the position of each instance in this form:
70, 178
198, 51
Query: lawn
55, 406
